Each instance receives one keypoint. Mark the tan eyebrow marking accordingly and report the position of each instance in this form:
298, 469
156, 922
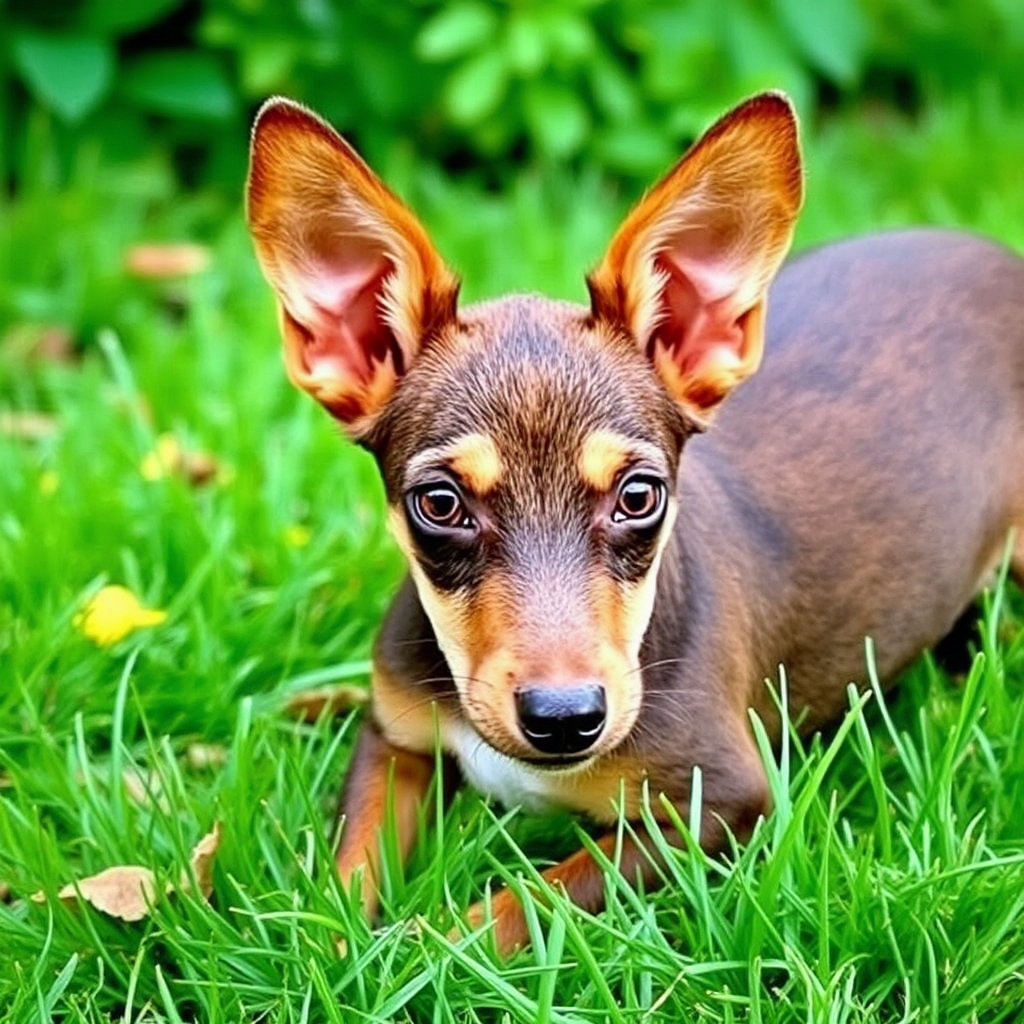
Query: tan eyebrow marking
604, 454
474, 457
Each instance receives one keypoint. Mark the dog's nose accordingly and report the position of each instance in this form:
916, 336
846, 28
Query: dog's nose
560, 720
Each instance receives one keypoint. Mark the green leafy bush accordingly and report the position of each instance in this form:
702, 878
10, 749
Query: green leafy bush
622, 84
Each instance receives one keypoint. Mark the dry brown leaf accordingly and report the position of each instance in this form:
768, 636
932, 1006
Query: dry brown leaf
199, 468
125, 891
40, 343
136, 785
332, 700
55, 344
203, 854
159, 260
201, 756
168, 458
145, 788
6, 782
28, 426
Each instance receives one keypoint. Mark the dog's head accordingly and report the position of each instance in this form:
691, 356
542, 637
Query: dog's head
529, 448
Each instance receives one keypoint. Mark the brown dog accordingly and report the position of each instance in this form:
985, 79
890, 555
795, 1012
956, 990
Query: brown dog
588, 609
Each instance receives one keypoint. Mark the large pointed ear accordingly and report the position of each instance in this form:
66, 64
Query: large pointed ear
359, 284
687, 273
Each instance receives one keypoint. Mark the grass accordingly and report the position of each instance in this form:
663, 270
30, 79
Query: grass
886, 886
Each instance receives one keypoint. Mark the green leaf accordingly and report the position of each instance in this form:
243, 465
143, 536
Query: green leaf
456, 30
762, 58
683, 62
116, 17
557, 119
525, 43
570, 35
615, 93
265, 63
476, 87
637, 148
389, 83
69, 74
181, 83
831, 35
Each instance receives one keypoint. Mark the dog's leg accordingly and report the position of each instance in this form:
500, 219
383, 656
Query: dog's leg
384, 781
580, 876
742, 798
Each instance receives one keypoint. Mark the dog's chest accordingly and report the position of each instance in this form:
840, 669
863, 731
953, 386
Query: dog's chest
507, 780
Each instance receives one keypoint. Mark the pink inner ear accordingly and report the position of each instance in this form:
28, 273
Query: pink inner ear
699, 322
338, 306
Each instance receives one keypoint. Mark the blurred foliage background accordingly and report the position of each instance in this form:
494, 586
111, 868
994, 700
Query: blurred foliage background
487, 84
128, 107
519, 129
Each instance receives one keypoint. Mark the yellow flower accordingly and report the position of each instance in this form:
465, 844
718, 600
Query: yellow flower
48, 482
112, 613
297, 535
164, 459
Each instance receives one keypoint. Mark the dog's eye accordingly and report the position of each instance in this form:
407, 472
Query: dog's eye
641, 500
439, 506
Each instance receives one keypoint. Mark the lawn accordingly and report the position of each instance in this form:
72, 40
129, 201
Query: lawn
887, 885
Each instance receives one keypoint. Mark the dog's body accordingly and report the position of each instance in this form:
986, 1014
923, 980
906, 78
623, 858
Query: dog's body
590, 608
810, 516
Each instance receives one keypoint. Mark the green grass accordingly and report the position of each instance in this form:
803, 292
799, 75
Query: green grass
888, 885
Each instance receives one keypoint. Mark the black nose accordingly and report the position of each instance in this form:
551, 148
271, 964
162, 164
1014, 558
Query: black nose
557, 720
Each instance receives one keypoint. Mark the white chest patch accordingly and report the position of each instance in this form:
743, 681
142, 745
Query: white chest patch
510, 781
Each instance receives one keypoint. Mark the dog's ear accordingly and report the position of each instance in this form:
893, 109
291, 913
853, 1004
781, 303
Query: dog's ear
686, 274
359, 284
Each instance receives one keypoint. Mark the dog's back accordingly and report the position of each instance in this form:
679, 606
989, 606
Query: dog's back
875, 462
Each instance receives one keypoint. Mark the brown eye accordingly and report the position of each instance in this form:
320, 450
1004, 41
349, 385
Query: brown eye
641, 500
439, 506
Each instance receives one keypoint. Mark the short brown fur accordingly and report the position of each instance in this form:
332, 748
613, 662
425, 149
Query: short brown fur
861, 483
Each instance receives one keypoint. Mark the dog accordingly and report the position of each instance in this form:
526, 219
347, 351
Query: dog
607, 559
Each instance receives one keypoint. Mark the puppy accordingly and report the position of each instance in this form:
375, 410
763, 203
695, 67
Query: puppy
607, 558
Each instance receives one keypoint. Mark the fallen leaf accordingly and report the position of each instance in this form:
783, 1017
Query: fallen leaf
55, 344
28, 426
168, 458
332, 700
201, 756
125, 892
135, 786
112, 613
199, 468
157, 260
40, 343
145, 789
203, 854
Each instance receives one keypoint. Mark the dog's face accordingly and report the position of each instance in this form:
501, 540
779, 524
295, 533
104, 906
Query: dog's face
529, 449
530, 459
